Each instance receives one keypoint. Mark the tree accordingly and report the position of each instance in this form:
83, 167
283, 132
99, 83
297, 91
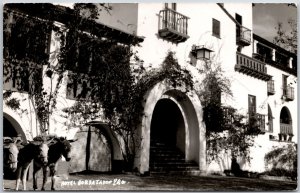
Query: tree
227, 131
100, 78
282, 161
284, 39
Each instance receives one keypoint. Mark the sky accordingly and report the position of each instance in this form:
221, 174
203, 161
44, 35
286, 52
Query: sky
266, 16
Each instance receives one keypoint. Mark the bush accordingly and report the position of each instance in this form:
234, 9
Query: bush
282, 161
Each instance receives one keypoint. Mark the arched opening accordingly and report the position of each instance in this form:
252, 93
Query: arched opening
11, 128
285, 122
285, 116
92, 152
173, 116
167, 124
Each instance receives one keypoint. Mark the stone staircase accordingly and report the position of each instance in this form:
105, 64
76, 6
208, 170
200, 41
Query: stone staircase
165, 159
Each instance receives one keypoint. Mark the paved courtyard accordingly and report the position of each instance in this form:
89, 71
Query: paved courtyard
131, 182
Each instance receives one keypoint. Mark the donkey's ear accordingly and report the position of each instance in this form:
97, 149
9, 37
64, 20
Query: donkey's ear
62, 138
18, 140
72, 140
7, 140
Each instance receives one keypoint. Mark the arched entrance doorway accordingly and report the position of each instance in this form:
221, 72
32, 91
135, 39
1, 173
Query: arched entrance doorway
167, 124
286, 127
174, 116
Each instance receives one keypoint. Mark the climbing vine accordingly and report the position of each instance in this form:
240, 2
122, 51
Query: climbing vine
227, 131
121, 98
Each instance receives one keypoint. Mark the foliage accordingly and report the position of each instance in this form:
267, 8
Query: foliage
285, 39
227, 132
235, 141
283, 160
121, 98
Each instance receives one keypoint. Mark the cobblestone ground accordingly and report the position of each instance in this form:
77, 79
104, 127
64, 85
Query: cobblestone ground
159, 183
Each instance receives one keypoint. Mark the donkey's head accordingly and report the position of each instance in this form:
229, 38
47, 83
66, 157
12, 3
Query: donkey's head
11, 151
41, 149
66, 147
42, 153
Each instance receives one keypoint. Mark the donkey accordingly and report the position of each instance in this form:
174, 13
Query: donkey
10, 153
37, 151
60, 147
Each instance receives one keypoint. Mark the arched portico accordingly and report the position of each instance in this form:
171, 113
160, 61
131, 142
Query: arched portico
189, 106
11, 127
286, 126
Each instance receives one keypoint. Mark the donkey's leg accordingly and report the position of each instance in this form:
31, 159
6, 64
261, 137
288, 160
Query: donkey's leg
24, 175
45, 176
53, 169
36, 168
19, 172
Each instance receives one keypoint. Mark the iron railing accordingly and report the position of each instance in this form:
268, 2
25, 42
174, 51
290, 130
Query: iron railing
286, 128
251, 67
173, 20
288, 93
243, 35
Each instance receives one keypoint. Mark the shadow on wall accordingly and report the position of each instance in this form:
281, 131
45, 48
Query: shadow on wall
91, 152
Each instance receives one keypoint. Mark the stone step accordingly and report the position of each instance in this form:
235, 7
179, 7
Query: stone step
178, 173
170, 160
173, 162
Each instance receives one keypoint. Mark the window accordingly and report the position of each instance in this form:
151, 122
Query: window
216, 28
284, 84
239, 19
282, 59
270, 120
265, 53
251, 105
171, 6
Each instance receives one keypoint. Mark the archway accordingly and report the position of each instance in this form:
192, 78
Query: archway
96, 150
11, 128
285, 116
167, 124
186, 113
285, 121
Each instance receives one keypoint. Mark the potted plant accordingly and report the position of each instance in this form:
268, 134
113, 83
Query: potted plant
279, 136
290, 137
284, 137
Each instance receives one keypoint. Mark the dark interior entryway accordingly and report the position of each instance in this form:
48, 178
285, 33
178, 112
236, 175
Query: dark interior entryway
167, 124
168, 138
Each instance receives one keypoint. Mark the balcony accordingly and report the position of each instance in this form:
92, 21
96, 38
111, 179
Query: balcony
288, 93
257, 124
243, 36
173, 26
251, 67
271, 90
261, 122
286, 128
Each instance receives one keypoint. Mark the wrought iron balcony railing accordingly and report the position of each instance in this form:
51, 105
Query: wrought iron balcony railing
288, 93
173, 26
251, 67
261, 122
286, 128
271, 90
257, 124
243, 36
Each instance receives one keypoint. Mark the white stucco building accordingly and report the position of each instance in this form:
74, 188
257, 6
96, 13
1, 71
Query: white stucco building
225, 29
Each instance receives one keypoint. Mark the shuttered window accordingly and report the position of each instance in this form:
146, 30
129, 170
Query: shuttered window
216, 28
